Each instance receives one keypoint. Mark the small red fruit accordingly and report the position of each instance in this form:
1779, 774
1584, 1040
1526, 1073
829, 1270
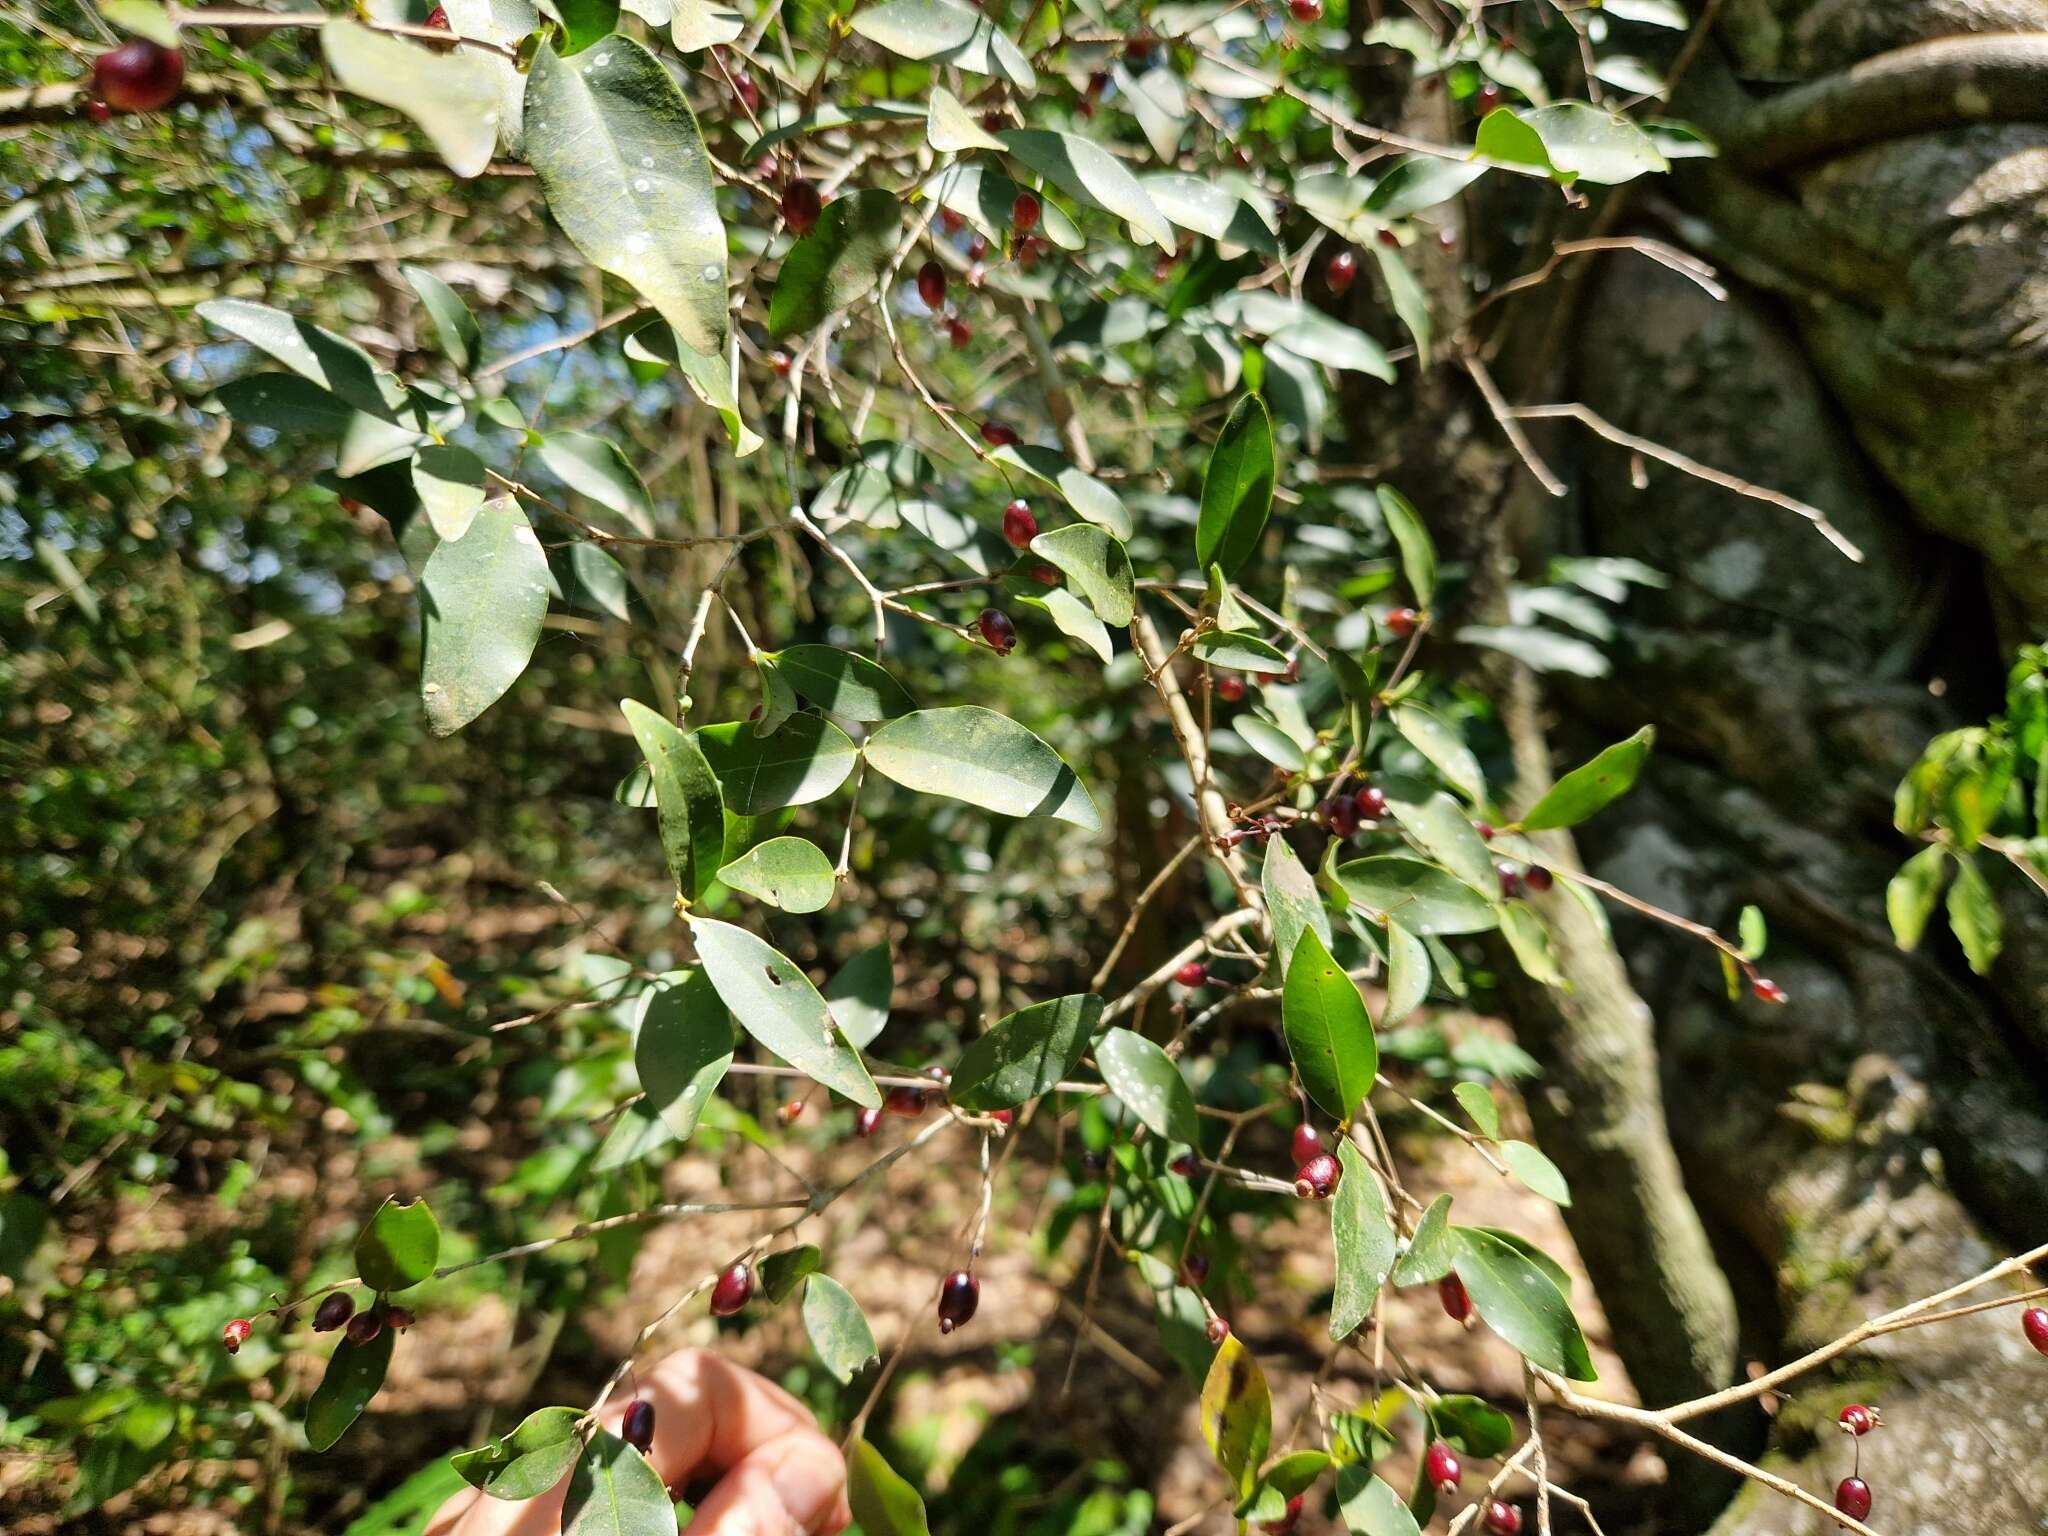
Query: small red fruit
1194, 1269
865, 1122
1852, 1497
400, 1318
1230, 689
365, 1326
1306, 12
998, 434
1024, 211
1019, 526
1342, 271
780, 362
907, 1102
791, 1111
2034, 1324
958, 1297
1218, 1330
1503, 1519
801, 206
1389, 239
950, 221
959, 332
1184, 1165
1443, 1468
1457, 1303
138, 76
997, 630
1537, 878
1402, 622
1858, 1420
236, 1334
1287, 1521
1769, 991
1484, 829
749, 94
1510, 879
437, 18
333, 1312
1371, 802
98, 112
1343, 817
1045, 575
637, 1430
1317, 1178
1488, 97
977, 249
1305, 1144
735, 1288
1193, 974
1003, 1116
931, 285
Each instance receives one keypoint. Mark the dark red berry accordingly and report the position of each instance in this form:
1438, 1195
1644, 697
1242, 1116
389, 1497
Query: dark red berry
236, 1334
801, 206
98, 112
1317, 1178
333, 1312
1097, 83
907, 1102
1193, 974
1003, 1116
1502, 1519
1852, 1497
1456, 1303
1094, 1161
1194, 1269
1371, 802
958, 1298
1024, 211
1769, 990
1305, 11
931, 285
791, 1111
1218, 1330
1402, 622
735, 1288
1184, 1165
1389, 239
780, 362
638, 1428
997, 630
2034, 1324
1443, 1468
1859, 1420
1484, 829
1286, 1522
998, 434
400, 1318
1306, 1143
950, 221
865, 1122
743, 87
1343, 817
977, 249
1342, 271
1045, 575
138, 76
1537, 878
365, 1325
1488, 97
437, 18
1230, 689
1510, 879
1019, 526
958, 332
1139, 53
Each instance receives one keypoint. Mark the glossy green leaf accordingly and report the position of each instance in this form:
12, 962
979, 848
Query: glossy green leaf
1363, 1239
780, 1273
1589, 144
483, 599
623, 165
1910, 896
1429, 1254
1204, 206
1505, 139
1750, 931
837, 1328
1409, 300
1270, 742
1328, 1032
1293, 904
983, 196
1441, 828
584, 22
1535, 1255
1368, 1506
695, 25
1471, 1424
596, 467
451, 486
1076, 620
776, 1004
1237, 1414
400, 1246
787, 872
1519, 1302
1424, 899
455, 328
1478, 1103
1025, 1053
806, 760
858, 995
1418, 550
1530, 941
951, 128
1088, 496
1088, 172
334, 363
1536, 1171
1438, 741
842, 683
1240, 652
453, 96
969, 753
1592, 785
1419, 182
288, 404
529, 1461
1237, 488
838, 263
883, 1503
614, 1491
1973, 915
354, 1373
1145, 1078
948, 32
682, 1050
1407, 974
1096, 565
692, 812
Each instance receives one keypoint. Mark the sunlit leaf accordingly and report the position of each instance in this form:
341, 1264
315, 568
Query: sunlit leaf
399, 1247
1519, 1302
1096, 565
837, 1327
483, 599
948, 32
776, 1004
596, 467
1362, 1238
529, 1461
806, 760
1237, 1413
858, 995
615, 1492
682, 1050
1536, 1171
1328, 1033
1237, 488
969, 753
1430, 1254
838, 263
787, 872
1910, 897
1592, 785
1145, 1078
692, 812
453, 95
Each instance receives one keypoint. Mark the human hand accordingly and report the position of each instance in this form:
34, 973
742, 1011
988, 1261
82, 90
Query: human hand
776, 1474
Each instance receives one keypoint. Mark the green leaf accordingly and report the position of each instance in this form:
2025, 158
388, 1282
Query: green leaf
1408, 299
1025, 1053
883, 1503
1270, 742
982, 196
776, 1004
1973, 914
1097, 566
1536, 1171
838, 1329
1440, 827
1586, 143
1237, 488
1471, 1424
1145, 1078
1088, 172
1088, 496
837, 263
1075, 619
596, 467
626, 175
1237, 1414
637, 1132
297, 407
1296, 1472
951, 128
682, 1050
806, 760
969, 753
1407, 974
453, 96
400, 1246
1327, 1030
1534, 1255
1293, 904
692, 813
450, 485
1592, 785
483, 598
455, 328
354, 1373
1419, 182
695, 25
1909, 898
1752, 933
614, 1492
584, 21
1369, 1507
1196, 203
1521, 1304
1364, 1241
787, 872
145, 18
1426, 900
1478, 1103
318, 356
1240, 652
1430, 1253
1505, 139
946, 31
1436, 740
1418, 550
841, 683
858, 995
529, 1461
782, 1272
1530, 941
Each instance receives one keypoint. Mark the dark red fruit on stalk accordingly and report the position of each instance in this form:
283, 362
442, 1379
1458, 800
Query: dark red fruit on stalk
1287, 1521
236, 1334
138, 76
865, 1122
931, 285
791, 1111
637, 1430
907, 1102
1443, 1468
1305, 1144
1488, 97
1045, 575
1769, 991
1230, 689
1317, 1178
400, 1318
950, 221
1510, 879
977, 248
780, 362
1537, 878
959, 333
1019, 526
1402, 622
365, 1325
1342, 271
437, 18
1484, 829
1502, 1519
735, 1288
98, 112
1371, 802
1184, 1165
1098, 83
1003, 1116
998, 434
1456, 1303
801, 206
958, 1298
2034, 1324
1305, 11
1343, 816
333, 1312
1389, 239
1218, 1330
744, 88
1024, 211
1852, 1497
1029, 249
1195, 1269
1859, 1420
997, 630
1193, 974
